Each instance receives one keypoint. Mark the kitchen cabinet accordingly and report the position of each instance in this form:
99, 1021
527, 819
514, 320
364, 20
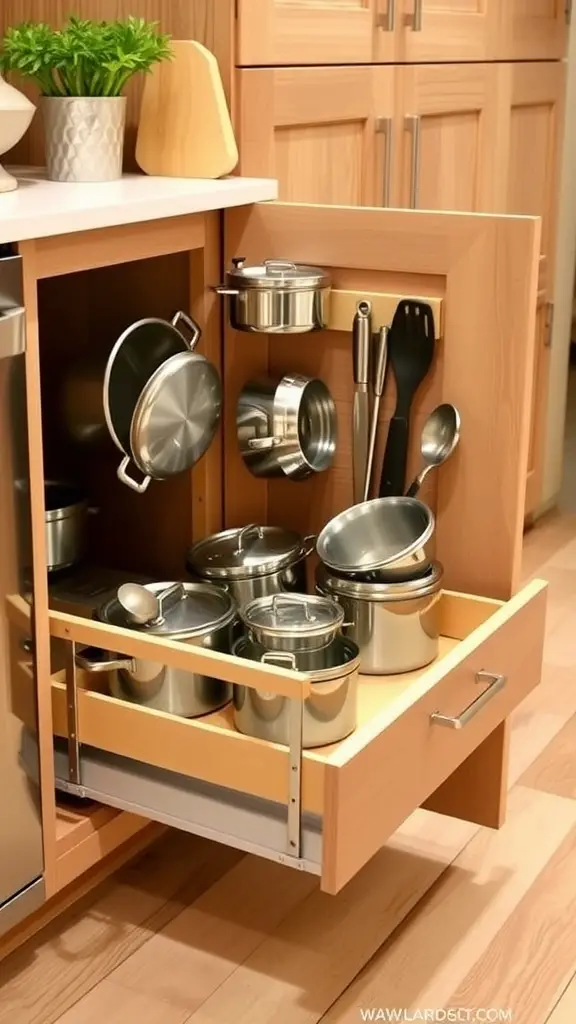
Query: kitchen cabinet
324, 133
538, 402
308, 32
275, 32
201, 774
448, 155
532, 30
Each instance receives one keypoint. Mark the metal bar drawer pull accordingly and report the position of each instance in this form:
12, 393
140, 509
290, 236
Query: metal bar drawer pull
496, 683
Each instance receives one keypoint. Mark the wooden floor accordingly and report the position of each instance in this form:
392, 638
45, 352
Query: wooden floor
447, 915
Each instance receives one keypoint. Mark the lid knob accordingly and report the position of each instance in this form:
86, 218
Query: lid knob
238, 262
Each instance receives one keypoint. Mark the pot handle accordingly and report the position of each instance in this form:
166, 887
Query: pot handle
277, 266
168, 599
264, 443
279, 600
279, 657
309, 544
245, 533
221, 289
94, 659
122, 475
192, 326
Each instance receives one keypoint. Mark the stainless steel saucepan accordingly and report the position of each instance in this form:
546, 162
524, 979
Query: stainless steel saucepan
277, 297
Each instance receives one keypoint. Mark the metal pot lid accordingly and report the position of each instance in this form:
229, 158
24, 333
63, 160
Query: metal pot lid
202, 609
245, 552
281, 275
369, 590
294, 615
176, 416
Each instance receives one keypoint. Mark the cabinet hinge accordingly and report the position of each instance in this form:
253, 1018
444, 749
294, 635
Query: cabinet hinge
549, 324
568, 11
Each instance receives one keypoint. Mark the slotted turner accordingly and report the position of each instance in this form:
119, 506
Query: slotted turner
410, 353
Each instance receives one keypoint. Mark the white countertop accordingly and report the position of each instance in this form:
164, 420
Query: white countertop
39, 208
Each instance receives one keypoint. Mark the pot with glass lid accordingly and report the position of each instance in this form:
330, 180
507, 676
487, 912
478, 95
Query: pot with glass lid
298, 624
193, 613
277, 297
252, 561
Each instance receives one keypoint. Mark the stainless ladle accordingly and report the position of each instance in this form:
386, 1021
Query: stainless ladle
142, 606
440, 436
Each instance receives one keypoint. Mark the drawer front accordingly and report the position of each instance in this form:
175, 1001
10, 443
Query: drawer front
388, 769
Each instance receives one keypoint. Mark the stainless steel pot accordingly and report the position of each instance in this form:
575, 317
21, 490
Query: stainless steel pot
66, 511
329, 714
278, 297
388, 537
396, 625
204, 617
252, 561
287, 427
294, 623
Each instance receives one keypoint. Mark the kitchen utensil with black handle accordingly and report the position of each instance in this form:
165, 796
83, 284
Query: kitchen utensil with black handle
379, 363
410, 352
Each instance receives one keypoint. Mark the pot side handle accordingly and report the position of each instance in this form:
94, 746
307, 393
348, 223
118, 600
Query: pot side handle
193, 327
93, 659
122, 475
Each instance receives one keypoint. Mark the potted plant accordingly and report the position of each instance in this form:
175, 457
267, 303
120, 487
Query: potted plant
81, 71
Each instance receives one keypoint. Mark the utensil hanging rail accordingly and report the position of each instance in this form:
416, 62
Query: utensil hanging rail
343, 307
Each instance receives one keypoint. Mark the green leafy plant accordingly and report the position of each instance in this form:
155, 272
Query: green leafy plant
85, 58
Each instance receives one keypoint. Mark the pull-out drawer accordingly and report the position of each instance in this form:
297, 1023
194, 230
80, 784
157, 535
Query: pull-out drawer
414, 731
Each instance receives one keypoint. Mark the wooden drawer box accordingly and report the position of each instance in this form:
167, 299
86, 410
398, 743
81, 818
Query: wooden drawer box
358, 790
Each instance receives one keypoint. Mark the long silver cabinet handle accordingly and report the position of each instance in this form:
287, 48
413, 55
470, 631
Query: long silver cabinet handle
412, 124
496, 683
387, 22
417, 16
384, 127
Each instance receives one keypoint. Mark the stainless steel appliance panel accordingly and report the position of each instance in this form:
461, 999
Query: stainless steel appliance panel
21, 855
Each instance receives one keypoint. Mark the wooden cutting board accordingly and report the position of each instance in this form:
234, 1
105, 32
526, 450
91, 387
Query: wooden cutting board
185, 129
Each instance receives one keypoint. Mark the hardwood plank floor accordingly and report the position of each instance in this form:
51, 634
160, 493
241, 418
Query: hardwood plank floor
446, 915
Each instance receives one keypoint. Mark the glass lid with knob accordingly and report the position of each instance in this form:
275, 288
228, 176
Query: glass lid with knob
249, 551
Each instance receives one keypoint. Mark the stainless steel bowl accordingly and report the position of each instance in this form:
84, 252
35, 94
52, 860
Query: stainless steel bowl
390, 536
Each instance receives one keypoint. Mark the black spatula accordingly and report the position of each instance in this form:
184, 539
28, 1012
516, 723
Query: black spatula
410, 353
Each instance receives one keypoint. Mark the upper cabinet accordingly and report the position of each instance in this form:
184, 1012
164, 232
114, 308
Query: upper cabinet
309, 32
324, 133
531, 30
304, 32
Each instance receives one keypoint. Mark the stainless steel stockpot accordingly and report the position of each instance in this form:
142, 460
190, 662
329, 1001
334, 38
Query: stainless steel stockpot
277, 297
390, 537
204, 617
396, 625
293, 623
252, 561
287, 427
329, 713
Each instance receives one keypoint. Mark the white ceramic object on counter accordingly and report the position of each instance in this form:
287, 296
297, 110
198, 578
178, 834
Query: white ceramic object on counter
16, 113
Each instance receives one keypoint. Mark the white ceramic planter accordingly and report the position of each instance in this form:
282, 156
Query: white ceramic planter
84, 137
16, 113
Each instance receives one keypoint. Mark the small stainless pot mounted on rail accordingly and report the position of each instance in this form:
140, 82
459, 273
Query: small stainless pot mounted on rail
277, 297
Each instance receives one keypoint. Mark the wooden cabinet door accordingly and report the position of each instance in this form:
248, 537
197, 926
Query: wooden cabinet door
272, 32
532, 101
324, 133
532, 30
445, 30
449, 116
538, 405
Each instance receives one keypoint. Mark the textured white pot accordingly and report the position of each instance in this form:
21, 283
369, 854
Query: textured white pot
84, 137
16, 112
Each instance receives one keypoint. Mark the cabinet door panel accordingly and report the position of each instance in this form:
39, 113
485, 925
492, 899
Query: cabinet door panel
450, 164
309, 32
538, 406
532, 30
318, 130
458, 30
534, 96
